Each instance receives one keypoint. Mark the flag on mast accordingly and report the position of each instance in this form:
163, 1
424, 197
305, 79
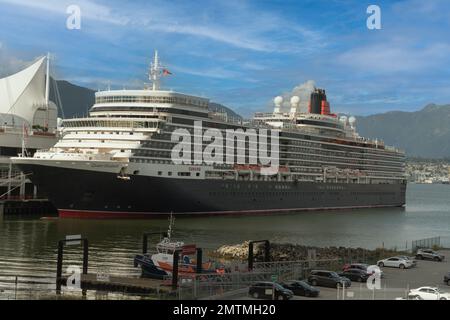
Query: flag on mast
166, 72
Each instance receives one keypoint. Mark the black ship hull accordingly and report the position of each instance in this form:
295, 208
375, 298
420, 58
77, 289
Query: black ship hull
93, 194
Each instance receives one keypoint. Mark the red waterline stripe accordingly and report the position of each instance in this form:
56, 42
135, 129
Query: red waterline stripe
70, 213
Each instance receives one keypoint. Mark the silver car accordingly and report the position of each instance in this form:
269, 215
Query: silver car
395, 262
429, 255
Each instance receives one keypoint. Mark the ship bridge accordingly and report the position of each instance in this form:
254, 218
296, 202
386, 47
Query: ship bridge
147, 103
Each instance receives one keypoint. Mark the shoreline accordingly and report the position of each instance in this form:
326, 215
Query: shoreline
295, 252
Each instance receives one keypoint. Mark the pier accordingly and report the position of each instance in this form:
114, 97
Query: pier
26, 207
122, 284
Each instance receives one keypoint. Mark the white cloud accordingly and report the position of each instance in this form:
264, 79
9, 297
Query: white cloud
215, 72
395, 57
237, 24
10, 63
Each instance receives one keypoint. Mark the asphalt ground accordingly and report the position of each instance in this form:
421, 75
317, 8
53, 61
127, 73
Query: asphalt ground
394, 284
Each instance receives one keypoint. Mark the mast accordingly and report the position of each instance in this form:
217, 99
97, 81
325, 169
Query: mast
47, 81
47, 89
171, 223
155, 73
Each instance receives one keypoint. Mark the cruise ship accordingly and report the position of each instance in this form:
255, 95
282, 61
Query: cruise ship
119, 161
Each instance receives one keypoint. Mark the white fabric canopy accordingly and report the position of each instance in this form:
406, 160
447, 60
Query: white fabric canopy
21, 94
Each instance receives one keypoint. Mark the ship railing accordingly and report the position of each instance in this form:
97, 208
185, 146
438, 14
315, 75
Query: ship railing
263, 115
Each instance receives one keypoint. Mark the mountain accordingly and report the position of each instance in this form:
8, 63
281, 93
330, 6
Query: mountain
424, 133
75, 100
216, 107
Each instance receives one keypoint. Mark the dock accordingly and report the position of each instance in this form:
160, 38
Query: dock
26, 207
122, 284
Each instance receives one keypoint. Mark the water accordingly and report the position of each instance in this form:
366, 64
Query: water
28, 247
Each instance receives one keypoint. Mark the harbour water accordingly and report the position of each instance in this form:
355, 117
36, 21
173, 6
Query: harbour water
28, 246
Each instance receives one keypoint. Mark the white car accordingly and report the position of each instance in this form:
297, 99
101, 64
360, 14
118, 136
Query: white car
396, 262
428, 293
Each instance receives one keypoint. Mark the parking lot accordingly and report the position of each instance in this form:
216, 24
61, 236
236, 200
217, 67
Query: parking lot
395, 283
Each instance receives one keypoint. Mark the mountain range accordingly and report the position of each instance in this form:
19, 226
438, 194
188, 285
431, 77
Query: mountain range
424, 133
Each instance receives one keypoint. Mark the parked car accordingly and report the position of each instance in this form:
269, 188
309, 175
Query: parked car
395, 262
429, 255
269, 290
355, 275
301, 288
447, 278
414, 262
428, 293
360, 266
328, 279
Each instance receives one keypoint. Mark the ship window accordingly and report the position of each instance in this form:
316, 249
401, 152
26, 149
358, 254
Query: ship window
159, 173
169, 173
197, 174
184, 174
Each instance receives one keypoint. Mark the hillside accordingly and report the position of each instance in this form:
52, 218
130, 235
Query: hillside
424, 133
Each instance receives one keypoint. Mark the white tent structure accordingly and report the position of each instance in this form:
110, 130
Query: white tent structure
28, 121
24, 97
26, 114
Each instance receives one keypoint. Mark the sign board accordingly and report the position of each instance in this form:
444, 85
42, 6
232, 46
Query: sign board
74, 239
103, 275
268, 292
274, 277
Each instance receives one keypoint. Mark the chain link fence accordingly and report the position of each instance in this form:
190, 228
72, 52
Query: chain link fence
434, 242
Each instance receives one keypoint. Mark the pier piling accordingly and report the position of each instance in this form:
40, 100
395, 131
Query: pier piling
145, 239
199, 260
176, 258
59, 261
250, 252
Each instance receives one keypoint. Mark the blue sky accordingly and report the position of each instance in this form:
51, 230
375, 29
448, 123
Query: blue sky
243, 53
